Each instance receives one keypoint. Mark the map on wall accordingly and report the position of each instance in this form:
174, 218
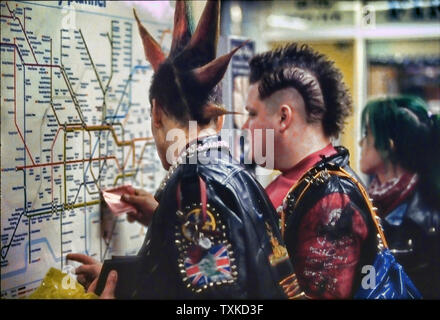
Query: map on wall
75, 120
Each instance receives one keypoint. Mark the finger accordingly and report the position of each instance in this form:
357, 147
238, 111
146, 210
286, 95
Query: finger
92, 286
110, 286
86, 269
82, 280
140, 192
85, 259
136, 200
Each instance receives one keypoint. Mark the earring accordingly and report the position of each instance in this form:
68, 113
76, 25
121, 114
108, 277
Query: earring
391, 143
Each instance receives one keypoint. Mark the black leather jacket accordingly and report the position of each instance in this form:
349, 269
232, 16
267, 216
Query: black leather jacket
245, 226
413, 234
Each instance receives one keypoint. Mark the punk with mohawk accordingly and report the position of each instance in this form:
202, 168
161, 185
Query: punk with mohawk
184, 83
212, 230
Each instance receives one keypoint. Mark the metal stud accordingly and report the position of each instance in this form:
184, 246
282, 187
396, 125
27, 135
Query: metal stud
180, 214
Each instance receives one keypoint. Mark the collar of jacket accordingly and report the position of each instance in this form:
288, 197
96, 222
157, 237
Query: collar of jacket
193, 148
339, 159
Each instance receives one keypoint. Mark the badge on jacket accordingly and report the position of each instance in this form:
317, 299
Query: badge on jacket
206, 256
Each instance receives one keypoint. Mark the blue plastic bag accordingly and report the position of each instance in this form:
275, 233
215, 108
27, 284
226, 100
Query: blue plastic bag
391, 280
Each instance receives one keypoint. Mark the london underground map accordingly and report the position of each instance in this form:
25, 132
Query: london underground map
75, 119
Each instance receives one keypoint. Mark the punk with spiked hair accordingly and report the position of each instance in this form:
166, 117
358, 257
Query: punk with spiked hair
213, 233
185, 83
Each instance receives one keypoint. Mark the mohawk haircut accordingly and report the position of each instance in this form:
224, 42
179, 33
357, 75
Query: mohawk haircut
319, 82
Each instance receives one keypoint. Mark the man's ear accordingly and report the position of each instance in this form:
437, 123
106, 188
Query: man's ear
156, 114
285, 117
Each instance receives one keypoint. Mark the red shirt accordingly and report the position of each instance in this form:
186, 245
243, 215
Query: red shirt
277, 189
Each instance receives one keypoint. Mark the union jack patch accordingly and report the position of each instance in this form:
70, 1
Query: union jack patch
213, 267
206, 258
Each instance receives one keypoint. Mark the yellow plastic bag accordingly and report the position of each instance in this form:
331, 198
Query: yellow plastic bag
59, 285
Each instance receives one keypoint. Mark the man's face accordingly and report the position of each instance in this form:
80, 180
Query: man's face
260, 119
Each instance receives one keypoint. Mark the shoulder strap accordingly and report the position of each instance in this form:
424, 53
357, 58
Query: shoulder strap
311, 176
376, 219
300, 187
203, 198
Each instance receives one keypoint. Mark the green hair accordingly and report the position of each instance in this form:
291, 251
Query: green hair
406, 134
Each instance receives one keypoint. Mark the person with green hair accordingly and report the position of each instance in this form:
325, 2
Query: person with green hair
401, 152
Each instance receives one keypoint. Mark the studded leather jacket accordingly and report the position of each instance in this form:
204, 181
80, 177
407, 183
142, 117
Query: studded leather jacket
227, 248
412, 230
329, 232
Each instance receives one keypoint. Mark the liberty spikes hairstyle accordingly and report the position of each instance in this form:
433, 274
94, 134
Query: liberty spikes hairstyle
185, 84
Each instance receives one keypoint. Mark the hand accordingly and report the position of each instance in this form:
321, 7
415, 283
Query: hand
145, 205
110, 286
89, 271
